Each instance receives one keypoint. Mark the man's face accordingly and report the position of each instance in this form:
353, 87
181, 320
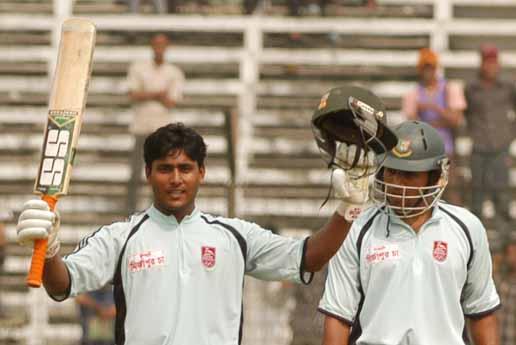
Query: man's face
404, 179
490, 69
175, 180
428, 74
159, 45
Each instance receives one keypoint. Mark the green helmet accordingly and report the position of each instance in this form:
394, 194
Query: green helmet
420, 148
351, 115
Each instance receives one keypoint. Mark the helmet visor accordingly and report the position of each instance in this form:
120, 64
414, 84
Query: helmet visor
407, 201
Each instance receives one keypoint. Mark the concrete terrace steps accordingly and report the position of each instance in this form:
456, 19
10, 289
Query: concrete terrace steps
102, 143
274, 8
31, 98
108, 120
336, 72
484, 11
119, 69
333, 40
25, 7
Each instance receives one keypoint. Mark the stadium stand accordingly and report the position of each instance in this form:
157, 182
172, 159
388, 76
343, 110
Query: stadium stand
252, 83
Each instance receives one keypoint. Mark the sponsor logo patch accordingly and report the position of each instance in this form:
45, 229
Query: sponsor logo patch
208, 257
440, 251
381, 253
146, 260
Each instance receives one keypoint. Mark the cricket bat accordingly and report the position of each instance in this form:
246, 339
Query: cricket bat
66, 107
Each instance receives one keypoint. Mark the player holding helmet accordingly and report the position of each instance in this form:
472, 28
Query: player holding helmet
412, 267
181, 265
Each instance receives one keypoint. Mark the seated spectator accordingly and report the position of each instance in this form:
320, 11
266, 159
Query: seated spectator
160, 6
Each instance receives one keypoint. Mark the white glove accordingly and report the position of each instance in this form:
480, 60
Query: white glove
37, 222
352, 186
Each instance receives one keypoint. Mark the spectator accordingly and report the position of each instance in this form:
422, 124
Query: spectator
490, 120
439, 103
97, 315
508, 296
160, 6
155, 87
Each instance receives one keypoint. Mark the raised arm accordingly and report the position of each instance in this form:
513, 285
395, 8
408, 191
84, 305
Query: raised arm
325, 243
37, 222
55, 277
352, 189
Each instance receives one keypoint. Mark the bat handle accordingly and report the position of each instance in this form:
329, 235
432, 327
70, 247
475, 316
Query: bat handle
35, 276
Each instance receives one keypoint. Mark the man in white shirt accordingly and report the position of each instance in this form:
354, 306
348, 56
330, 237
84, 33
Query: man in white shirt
177, 271
155, 87
412, 268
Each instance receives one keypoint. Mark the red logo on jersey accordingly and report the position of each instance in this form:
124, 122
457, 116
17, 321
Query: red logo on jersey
440, 250
208, 256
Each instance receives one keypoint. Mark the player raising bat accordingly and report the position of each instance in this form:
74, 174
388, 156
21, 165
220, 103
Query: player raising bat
177, 271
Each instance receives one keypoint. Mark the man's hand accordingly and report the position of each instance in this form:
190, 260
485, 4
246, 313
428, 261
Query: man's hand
423, 106
163, 98
352, 185
37, 222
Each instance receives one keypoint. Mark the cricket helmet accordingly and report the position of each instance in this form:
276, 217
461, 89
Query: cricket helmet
420, 148
351, 115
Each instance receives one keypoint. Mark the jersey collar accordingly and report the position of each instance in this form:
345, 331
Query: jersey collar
436, 217
157, 215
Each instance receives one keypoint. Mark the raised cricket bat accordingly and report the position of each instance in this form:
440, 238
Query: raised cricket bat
66, 107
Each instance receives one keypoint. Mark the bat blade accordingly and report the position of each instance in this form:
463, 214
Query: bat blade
66, 106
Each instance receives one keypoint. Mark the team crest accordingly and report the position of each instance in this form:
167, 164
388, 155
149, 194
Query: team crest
440, 251
208, 257
324, 101
402, 149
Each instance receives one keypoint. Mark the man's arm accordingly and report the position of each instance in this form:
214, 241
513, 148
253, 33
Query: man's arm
454, 113
166, 100
140, 96
450, 117
325, 243
55, 277
409, 105
336, 332
352, 189
479, 297
485, 330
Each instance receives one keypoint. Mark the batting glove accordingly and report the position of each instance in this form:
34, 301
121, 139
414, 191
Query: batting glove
352, 186
37, 222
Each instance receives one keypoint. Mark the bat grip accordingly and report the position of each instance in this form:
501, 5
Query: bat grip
35, 276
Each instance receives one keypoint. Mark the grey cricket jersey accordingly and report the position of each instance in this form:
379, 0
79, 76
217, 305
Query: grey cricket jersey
178, 284
398, 287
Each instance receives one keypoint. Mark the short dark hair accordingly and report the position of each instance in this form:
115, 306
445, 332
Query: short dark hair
173, 137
